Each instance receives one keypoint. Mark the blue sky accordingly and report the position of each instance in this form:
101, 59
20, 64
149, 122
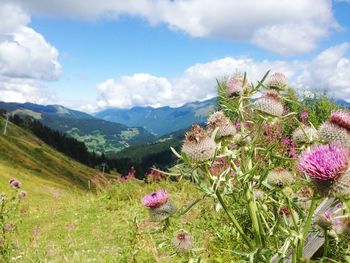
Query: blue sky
155, 53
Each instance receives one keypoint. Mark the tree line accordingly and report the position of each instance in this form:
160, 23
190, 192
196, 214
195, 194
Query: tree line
78, 151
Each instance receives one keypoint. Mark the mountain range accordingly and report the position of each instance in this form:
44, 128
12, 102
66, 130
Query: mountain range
112, 130
98, 135
163, 120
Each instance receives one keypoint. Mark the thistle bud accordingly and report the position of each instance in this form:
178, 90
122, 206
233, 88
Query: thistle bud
270, 104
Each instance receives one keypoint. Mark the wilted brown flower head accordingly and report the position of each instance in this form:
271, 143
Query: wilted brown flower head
224, 124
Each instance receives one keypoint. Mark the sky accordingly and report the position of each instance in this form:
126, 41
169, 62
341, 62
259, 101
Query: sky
91, 55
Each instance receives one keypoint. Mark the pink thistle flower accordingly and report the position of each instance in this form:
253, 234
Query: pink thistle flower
15, 183
238, 125
235, 87
155, 199
324, 162
341, 118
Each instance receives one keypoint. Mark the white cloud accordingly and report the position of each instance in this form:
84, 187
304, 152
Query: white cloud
26, 59
12, 18
330, 69
24, 90
28, 55
281, 26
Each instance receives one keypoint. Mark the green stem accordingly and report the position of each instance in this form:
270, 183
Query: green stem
306, 227
253, 215
234, 221
326, 243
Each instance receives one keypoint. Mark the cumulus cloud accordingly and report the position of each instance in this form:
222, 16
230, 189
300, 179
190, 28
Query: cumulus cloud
26, 58
280, 26
329, 70
24, 90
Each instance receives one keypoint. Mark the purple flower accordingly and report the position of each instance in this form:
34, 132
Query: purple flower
327, 214
324, 162
155, 199
15, 183
304, 115
339, 205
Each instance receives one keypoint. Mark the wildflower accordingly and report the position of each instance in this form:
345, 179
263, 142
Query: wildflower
160, 205
183, 242
219, 165
223, 123
279, 177
272, 132
155, 199
305, 134
15, 183
327, 166
304, 115
270, 103
277, 81
197, 145
154, 175
22, 194
236, 86
324, 162
344, 228
324, 220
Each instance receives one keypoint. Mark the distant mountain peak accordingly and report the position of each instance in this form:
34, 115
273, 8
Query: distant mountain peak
161, 120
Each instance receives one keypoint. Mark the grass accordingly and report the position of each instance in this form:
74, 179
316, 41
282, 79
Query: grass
62, 221
113, 226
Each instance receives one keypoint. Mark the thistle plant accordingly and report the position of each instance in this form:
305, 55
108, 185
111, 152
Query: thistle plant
10, 218
159, 204
266, 191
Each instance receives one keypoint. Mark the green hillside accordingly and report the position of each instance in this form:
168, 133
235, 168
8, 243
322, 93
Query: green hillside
98, 135
60, 221
41, 168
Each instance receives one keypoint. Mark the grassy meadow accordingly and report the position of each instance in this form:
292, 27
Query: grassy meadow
61, 220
